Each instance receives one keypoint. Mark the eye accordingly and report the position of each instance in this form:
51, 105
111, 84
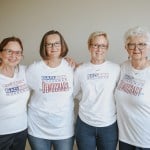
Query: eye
18, 52
48, 44
103, 46
9, 51
57, 44
142, 44
94, 45
131, 44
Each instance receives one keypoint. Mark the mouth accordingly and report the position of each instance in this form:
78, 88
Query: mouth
136, 53
13, 60
99, 53
54, 51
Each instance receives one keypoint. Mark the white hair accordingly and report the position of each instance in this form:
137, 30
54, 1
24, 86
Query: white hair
137, 31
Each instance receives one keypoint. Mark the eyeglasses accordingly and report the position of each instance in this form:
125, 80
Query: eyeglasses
11, 52
97, 46
50, 45
133, 46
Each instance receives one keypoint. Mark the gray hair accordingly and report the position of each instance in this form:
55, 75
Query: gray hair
137, 31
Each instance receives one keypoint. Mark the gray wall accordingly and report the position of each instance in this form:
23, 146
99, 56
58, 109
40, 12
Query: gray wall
75, 19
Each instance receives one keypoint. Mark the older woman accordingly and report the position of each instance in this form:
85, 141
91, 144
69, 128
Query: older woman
51, 113
96, 126
14, 94
133, 93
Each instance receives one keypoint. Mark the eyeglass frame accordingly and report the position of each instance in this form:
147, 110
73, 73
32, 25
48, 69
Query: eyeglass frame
51, 45
97, 46
11, 52
134, 45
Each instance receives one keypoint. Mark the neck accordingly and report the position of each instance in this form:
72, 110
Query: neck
140, 64
53, 62
7, 70
95, 61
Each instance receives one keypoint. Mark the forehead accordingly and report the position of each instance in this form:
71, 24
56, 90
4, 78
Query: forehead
53, 37
100, 38
13, 45
137, 39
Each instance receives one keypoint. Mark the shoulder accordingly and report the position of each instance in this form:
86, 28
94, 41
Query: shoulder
66, 65
34, 67
125, 64
35, 64
82, 67
113, 65
22, 67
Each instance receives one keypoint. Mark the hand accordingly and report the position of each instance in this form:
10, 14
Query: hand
72, 62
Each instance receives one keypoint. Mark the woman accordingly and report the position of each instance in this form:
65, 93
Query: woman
133, 93
14, 94
96, 125
51, 108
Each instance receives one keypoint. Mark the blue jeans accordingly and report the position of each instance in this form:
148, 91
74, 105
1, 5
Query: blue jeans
45, 144
125, 146
14, 141
90, 138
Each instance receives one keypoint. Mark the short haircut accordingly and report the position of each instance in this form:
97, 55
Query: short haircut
94, 35
10, 39
64, 47
137, 32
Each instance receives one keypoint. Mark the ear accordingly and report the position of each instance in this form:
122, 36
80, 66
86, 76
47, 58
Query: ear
128, 51
89, 49
0, 60
0, 55
126, 48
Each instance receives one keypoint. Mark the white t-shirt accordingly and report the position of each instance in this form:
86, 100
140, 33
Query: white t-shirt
133, 106
97, 83
51, 108
14, 94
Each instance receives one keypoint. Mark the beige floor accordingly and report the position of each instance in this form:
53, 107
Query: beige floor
28, 147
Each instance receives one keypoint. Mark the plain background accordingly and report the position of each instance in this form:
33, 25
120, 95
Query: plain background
76, 20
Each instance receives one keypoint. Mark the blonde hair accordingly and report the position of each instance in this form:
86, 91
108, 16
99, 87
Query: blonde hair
94, 35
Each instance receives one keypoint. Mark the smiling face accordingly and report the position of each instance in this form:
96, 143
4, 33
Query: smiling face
137, 47
11, 54
98, 48
53, 46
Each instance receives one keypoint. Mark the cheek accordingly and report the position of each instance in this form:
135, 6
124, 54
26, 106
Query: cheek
90, 50
105, 51
129, 52
146, 53
4, 57
19, 59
